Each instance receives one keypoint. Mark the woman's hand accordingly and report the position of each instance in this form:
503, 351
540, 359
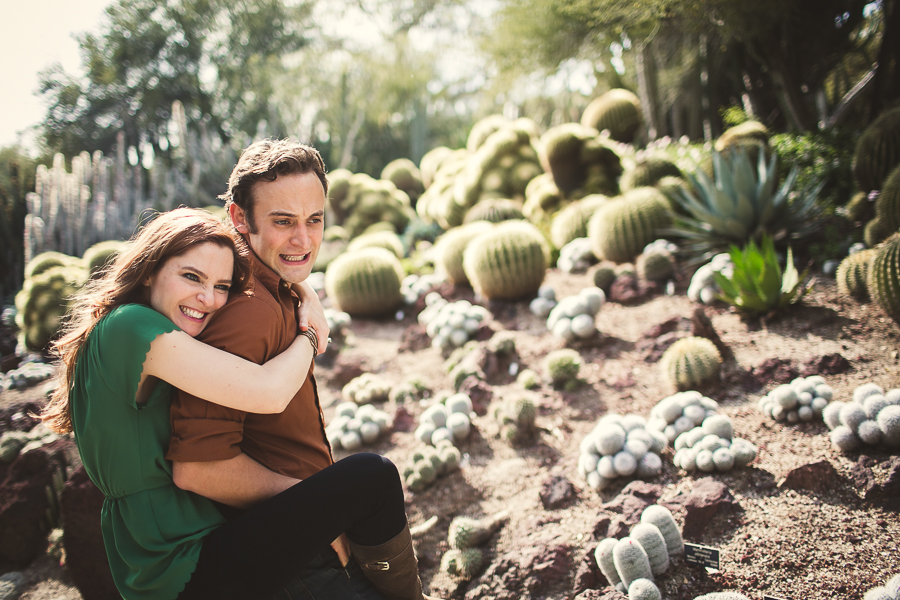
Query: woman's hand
310, 313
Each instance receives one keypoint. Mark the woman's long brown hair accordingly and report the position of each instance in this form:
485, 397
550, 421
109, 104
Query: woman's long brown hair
170, 234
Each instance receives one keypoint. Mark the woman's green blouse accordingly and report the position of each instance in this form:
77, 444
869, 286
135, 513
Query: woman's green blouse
153, 530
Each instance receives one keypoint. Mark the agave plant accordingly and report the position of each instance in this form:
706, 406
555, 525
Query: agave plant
742, 204
757, 284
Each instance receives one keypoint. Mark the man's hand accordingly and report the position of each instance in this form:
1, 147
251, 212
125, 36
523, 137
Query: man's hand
310, 313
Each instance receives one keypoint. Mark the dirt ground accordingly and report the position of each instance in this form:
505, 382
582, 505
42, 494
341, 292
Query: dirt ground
777, 541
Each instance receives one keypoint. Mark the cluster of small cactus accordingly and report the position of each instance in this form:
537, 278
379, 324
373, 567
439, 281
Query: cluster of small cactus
871, 418
888, 591
544, 303
803, 399
622, 227
357, 201
703, 287
573, 317
365, 283
690, 362
354, 425
450, 248
712, 447
338, 323
515, 417
648, 171
680, 412
450, 324
508, 262
413, 389
576, 256
415, 286
464, 559
366, 388
620, 446
26, 375
562, 367
528, 379
447, 420
430, 462
632, 563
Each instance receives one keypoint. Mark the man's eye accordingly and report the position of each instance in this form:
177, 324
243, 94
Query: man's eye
282, 222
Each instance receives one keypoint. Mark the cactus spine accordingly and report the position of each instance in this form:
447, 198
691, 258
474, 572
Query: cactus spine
884, 277
507, 263
852, 274
690, 362
621, 228
366, 282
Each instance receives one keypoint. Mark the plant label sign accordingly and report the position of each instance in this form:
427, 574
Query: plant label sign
702, 556
767, 597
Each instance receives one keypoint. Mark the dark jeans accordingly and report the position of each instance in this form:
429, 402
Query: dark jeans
325, 579
275, 543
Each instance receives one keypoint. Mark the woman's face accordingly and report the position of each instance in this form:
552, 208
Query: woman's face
189, 288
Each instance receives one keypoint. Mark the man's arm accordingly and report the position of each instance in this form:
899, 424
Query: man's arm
240, 482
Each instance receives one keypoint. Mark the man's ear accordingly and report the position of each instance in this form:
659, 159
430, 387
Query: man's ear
238, 218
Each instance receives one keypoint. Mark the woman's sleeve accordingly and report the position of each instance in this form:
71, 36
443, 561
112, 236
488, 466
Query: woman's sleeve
124, 340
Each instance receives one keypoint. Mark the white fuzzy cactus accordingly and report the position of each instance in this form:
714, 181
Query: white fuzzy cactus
450, 324
415, 286
355, 425
604, 557
620, 446
703, 287
544, 303
631, 561
367, 388
711, 448
429, 463
573, 317
651, 540
662, 518
872, 418
804, 399
643, 589
681, 412
576, 256
447, 420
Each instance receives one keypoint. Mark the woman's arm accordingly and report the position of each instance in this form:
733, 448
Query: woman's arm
228, 380
311, 313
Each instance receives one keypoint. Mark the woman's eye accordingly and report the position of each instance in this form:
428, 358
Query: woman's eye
223, 288
192, 276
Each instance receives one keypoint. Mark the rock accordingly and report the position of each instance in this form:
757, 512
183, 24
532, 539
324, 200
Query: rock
861, 474
11, 585
815, 477
703, 502
644, 490
403, 420
887, 493
633, 499
546, 566
345, 370
775, 370
629, 289
414, 338
600, 595
479, 392
486, 361
587, 573
651, 353
660, 329
828, 364
16, 416
556, 492
85, 553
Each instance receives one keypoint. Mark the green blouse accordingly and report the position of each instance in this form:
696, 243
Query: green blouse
152, 530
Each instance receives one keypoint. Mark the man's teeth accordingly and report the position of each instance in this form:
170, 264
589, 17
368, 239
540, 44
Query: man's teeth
292, 258
194, 314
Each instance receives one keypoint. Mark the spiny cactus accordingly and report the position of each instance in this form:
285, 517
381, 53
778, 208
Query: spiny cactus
366, 388
662, 518
369, 201
620, 446
378, 239
876, 231
508, 262
655, 265
102, 254
690, 362
467, 532
747, 133
404, 174
877, 151
617, 111
515, 418
47, 260
884, 277
571, 222
643, 589
621, 228
887, 205
647, 172
42, 303
464, 563
852, 274
495, 210
579, 160
429, 463
437, 204
542, 198
365, 283
431, 162
860, 208
631, 561
450, 249
563, 366
603, 275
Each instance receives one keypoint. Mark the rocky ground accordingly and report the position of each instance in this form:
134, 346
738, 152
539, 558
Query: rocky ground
803, 521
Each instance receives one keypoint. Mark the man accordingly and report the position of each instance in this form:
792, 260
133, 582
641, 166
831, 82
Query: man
276, 201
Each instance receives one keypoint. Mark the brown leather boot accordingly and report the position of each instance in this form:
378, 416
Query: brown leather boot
392, 567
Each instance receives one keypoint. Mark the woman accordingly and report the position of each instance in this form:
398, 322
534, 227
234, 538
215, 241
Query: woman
130, 338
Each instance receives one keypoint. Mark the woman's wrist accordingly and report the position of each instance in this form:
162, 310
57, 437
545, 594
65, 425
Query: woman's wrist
313, 337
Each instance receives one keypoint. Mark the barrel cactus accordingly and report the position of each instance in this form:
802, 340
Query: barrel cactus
621, 228
365, 283
883, 279
690, 362
450, 248
542, 198
437, 205
100, 255
877, 151
571, 222
495, 210
378, 239
47, 260
580, 160
43, 301
852, 274
647, 172
405, 175
431, 162
747, 134
369, 201
508, 262
887, 205
655, 265
617, 111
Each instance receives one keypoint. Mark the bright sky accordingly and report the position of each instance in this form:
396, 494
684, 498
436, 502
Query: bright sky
33, 35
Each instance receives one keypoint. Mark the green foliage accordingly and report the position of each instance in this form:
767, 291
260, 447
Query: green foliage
819, 156
733, 115
507, 263
884, 277
757, 285
621, 228
17, 175
690, 362
741, 204
366, 282
852, 274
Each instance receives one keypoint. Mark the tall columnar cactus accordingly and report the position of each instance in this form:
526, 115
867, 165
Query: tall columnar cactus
508, 262
571, 222
631, 561
450, 249
852, 274
877, 151
42, 303
651, 540
604, 557
647, 172
884, 277
618, 111
366, 282
621, 228
102, 254
690, 362
580, 161
662, 518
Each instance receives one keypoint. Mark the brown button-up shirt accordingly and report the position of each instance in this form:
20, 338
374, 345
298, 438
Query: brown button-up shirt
257, 326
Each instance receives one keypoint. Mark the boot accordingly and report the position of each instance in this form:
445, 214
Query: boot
392, 567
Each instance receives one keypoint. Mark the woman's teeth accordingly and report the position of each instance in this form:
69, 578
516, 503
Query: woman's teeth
194, 314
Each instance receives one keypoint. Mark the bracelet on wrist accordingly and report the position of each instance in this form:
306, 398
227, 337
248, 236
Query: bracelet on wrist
313, 338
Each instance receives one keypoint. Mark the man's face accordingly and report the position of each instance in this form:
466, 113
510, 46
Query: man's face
288, 219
